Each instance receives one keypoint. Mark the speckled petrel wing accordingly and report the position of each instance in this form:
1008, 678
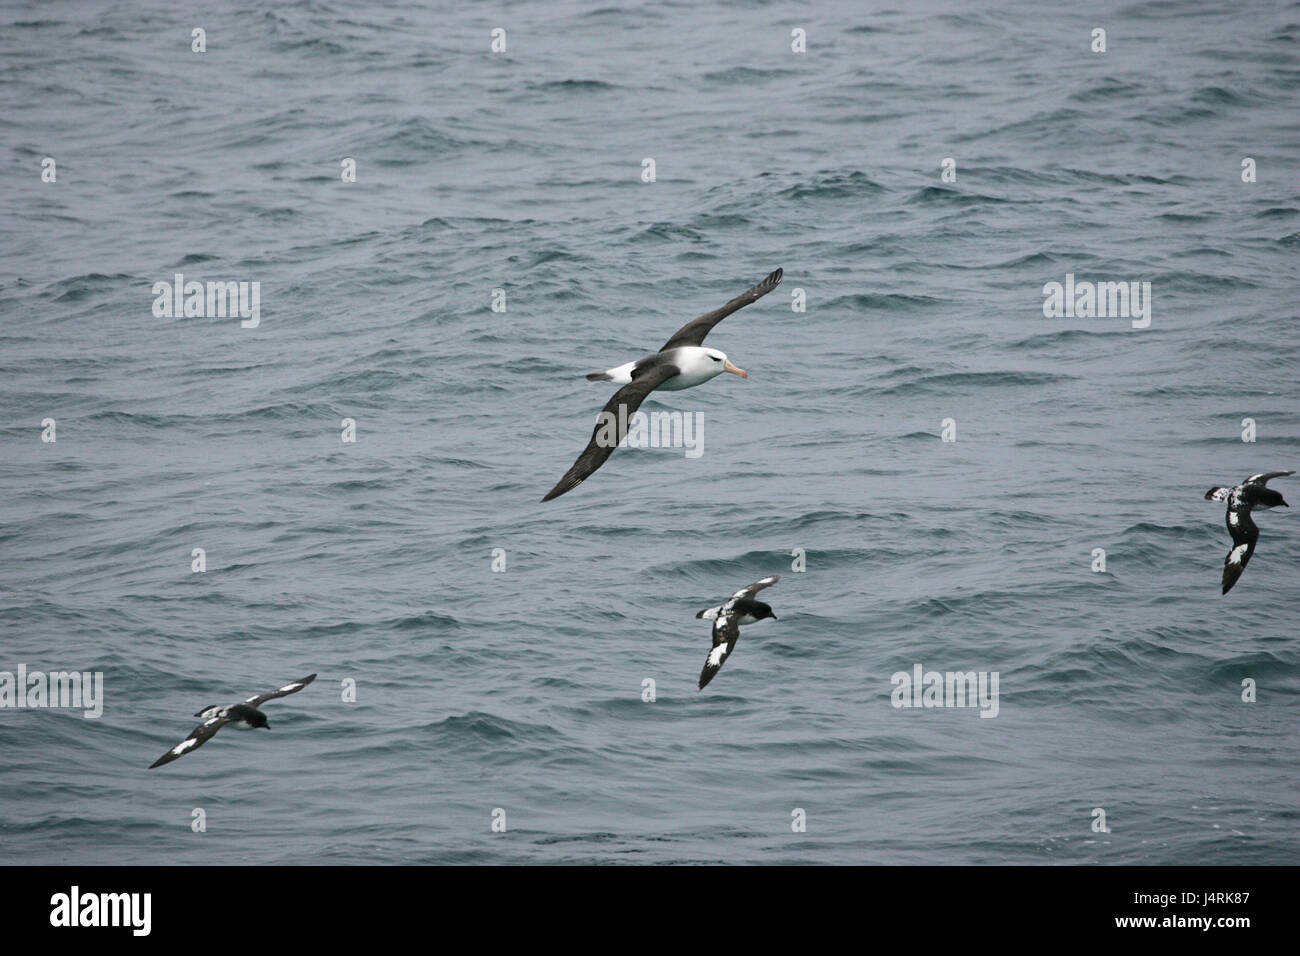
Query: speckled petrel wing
726, 631
197, 738
749, 590
1262, 479
285, 691
1244, 535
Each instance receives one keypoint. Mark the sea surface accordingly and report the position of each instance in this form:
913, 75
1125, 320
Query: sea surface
515, 696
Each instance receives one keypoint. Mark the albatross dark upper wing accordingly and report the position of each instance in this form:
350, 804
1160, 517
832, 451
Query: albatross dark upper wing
604, 439
693, 332
197, 738
284, 691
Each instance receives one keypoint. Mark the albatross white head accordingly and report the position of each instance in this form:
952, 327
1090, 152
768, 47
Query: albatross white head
695, 364
698, 365
715, 355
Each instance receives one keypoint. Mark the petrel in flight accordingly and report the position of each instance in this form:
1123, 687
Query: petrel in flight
243, 716
1244, 498
727, 618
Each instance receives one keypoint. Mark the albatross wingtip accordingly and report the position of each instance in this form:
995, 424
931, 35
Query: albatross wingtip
558, 490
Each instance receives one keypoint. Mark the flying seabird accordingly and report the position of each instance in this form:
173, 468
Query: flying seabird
1243, 499
244, 716
683, 362
727, 618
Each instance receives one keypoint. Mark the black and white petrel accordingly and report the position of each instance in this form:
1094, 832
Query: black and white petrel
243, 716
1243, 499
683, 362
727, 618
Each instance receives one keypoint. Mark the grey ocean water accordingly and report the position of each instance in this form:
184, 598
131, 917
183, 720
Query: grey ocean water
521, 171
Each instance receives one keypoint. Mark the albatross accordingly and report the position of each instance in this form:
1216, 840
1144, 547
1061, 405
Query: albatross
683, 362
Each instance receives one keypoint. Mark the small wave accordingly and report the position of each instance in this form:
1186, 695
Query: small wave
573, 86
833, 186
940, 195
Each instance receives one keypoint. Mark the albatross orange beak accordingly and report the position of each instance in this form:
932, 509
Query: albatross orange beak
728, 367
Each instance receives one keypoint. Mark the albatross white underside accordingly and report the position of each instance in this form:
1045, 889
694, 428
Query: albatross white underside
695, 366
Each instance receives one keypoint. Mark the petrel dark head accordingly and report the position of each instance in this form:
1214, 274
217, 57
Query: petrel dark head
762, 611
1272, 499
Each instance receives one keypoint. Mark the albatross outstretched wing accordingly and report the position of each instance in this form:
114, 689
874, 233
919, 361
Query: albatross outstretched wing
611, 426
694, 331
